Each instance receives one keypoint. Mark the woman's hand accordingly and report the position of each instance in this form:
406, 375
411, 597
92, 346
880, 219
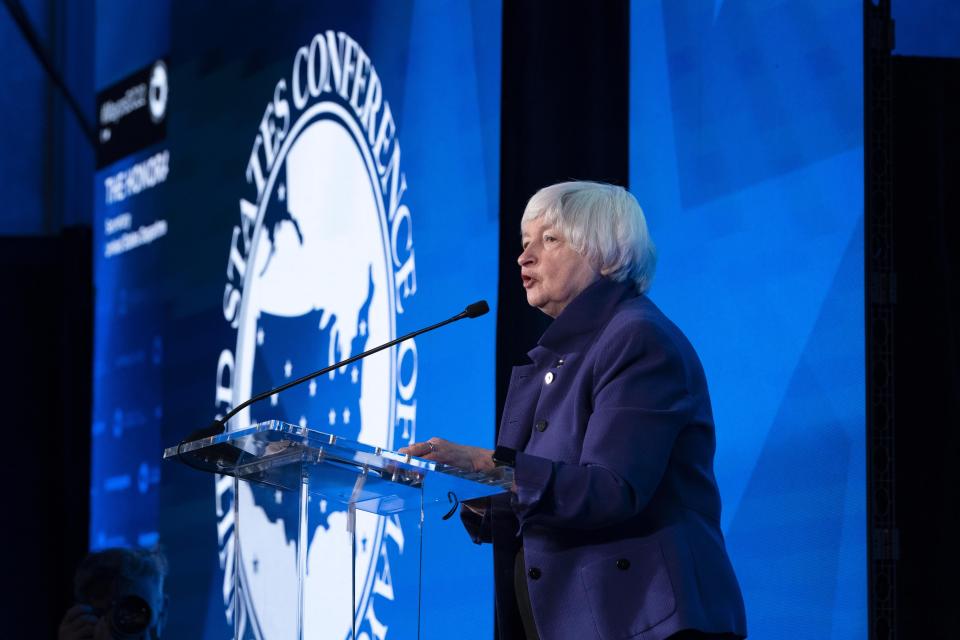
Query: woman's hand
451, 453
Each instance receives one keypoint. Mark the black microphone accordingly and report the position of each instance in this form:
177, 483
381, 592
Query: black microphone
217, 427
477, 309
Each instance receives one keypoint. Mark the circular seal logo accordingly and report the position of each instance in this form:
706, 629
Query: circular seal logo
320, 266
157, 92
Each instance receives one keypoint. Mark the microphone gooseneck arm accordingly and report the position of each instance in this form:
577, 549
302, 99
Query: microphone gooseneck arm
219, 426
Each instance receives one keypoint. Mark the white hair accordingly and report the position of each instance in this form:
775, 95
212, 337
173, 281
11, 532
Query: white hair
602, 222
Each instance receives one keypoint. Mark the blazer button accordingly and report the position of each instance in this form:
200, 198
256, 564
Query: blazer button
623, 564
541, 425
534, 573
549, 377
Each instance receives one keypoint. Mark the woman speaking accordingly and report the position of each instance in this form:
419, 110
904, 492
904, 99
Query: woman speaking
612, 529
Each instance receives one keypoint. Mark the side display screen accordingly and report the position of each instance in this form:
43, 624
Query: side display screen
746, 152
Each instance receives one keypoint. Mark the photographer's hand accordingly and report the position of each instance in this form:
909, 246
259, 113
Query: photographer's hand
102, 630
78, 623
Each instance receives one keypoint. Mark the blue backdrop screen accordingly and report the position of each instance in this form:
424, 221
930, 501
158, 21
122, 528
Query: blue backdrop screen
746, 152
295, 183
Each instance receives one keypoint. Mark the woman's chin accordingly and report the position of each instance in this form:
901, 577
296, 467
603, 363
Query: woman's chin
546, 306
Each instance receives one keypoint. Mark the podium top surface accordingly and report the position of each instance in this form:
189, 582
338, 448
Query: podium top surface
286, 456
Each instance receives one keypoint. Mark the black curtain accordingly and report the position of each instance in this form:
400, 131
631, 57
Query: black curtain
564, 116
47, 326
926, 250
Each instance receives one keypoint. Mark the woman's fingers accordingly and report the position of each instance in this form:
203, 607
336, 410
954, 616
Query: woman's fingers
438, 450
451, 453
420, 449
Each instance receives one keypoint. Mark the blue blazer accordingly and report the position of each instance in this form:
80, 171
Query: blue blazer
616, 503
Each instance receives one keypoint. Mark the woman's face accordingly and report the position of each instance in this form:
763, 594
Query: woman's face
553, 273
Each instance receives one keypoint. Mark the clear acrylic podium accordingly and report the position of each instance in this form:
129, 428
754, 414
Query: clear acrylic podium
325, 527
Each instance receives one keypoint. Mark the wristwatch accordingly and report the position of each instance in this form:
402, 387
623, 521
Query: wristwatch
504, 457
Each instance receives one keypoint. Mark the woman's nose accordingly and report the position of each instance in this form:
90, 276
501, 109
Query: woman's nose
526, 256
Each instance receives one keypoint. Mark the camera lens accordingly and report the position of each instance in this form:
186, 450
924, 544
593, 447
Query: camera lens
130, 616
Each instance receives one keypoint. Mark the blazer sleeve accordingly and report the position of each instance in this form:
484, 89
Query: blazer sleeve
477, 526
640, 403
498, 520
